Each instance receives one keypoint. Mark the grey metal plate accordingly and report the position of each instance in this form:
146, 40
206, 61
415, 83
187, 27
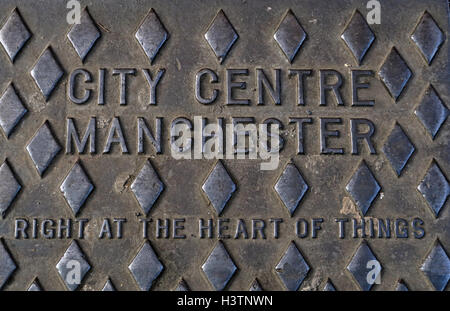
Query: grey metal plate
400, 179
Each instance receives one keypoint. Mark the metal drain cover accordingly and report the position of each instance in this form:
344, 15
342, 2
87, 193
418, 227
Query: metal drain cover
224, 145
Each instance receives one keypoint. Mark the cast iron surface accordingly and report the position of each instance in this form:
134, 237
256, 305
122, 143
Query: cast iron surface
405, 177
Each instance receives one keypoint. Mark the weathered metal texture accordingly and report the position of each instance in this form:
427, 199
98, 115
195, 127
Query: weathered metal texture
403, 177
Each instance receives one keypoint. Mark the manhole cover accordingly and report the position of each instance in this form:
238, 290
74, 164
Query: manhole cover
224, 145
